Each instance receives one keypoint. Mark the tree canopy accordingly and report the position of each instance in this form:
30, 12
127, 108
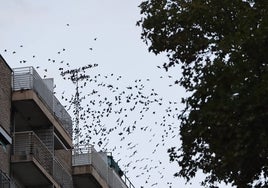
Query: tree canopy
221, 47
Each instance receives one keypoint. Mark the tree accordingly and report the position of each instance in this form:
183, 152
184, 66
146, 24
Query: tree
221, 47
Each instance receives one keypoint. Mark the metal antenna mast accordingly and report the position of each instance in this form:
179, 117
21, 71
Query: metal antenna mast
77, 76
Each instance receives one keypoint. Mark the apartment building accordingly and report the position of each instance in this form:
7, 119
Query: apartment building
36, 148
5, 119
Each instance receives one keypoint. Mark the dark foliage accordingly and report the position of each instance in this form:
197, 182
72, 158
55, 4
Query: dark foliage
222, 49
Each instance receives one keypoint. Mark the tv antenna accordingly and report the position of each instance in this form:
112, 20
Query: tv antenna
77, 76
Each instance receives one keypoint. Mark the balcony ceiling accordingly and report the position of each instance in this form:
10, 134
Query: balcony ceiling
85, 180
29, 116
29, 174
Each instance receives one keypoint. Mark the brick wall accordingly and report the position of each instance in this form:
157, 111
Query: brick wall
5, 95
5, 111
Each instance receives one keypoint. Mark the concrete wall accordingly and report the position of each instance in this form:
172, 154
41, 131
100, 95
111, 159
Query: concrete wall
5, 111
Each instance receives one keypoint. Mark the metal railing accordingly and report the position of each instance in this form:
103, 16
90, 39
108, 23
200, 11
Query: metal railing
26, 78
89, 156
15, 184
4, 180
61, 175
62, 115
28, 143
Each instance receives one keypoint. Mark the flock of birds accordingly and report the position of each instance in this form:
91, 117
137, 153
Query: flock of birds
129, 119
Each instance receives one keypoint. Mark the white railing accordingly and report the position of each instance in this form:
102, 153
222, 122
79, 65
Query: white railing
89, 156
26, 78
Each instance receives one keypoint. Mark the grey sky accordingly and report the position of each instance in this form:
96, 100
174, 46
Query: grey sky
44, 28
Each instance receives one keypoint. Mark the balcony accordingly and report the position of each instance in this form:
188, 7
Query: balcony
91, 168
4, 180
34, 163
38, 107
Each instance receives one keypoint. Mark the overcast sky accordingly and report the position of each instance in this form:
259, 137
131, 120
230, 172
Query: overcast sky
103, 32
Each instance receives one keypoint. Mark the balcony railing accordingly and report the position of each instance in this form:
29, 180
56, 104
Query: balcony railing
61, 175
89, 156
28, 143
26, 78
4, 180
